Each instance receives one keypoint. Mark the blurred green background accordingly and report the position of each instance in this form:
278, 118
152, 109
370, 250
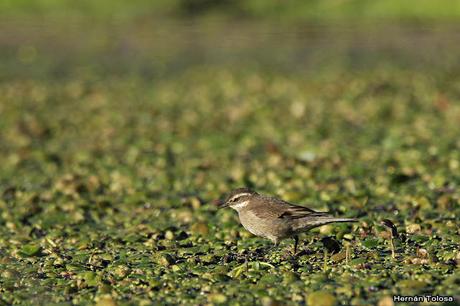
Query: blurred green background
157, 37
289, 11
122, 121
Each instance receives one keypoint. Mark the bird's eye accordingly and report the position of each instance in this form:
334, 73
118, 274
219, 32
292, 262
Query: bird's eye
234, 199
238, 197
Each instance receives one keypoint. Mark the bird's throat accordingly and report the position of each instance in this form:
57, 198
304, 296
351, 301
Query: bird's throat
240, 206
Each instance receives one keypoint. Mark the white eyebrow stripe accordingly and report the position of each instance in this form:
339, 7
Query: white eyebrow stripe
239, 195
240, 205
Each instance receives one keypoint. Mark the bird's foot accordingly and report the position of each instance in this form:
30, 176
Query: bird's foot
301, 253
289, 255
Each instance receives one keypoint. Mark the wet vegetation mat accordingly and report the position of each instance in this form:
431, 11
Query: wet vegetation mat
108, 183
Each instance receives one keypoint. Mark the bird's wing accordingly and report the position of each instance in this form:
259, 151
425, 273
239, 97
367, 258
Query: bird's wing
298, 212
274, 208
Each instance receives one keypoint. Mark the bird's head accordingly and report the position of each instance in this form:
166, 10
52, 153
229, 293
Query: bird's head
238, 198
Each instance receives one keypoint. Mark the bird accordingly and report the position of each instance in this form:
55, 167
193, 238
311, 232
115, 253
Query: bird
273, 218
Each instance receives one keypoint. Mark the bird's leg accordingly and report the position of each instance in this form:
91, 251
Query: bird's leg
273, 246
296, 243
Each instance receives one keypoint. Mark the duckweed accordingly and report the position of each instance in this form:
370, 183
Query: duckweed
108, 187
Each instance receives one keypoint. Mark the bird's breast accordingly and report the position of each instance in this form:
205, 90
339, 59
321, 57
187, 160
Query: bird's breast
271, 228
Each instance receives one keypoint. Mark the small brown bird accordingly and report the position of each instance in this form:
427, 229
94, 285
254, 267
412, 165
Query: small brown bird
273, 218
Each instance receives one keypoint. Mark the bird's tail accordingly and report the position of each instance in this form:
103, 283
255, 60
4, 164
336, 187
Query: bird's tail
306, 224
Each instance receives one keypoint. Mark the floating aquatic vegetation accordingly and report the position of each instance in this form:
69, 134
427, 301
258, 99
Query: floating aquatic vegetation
107, 187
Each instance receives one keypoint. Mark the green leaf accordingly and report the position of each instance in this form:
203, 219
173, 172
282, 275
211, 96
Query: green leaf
30, 250
370, 243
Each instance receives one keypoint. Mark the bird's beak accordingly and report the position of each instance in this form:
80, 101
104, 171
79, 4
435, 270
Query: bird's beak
220, 203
